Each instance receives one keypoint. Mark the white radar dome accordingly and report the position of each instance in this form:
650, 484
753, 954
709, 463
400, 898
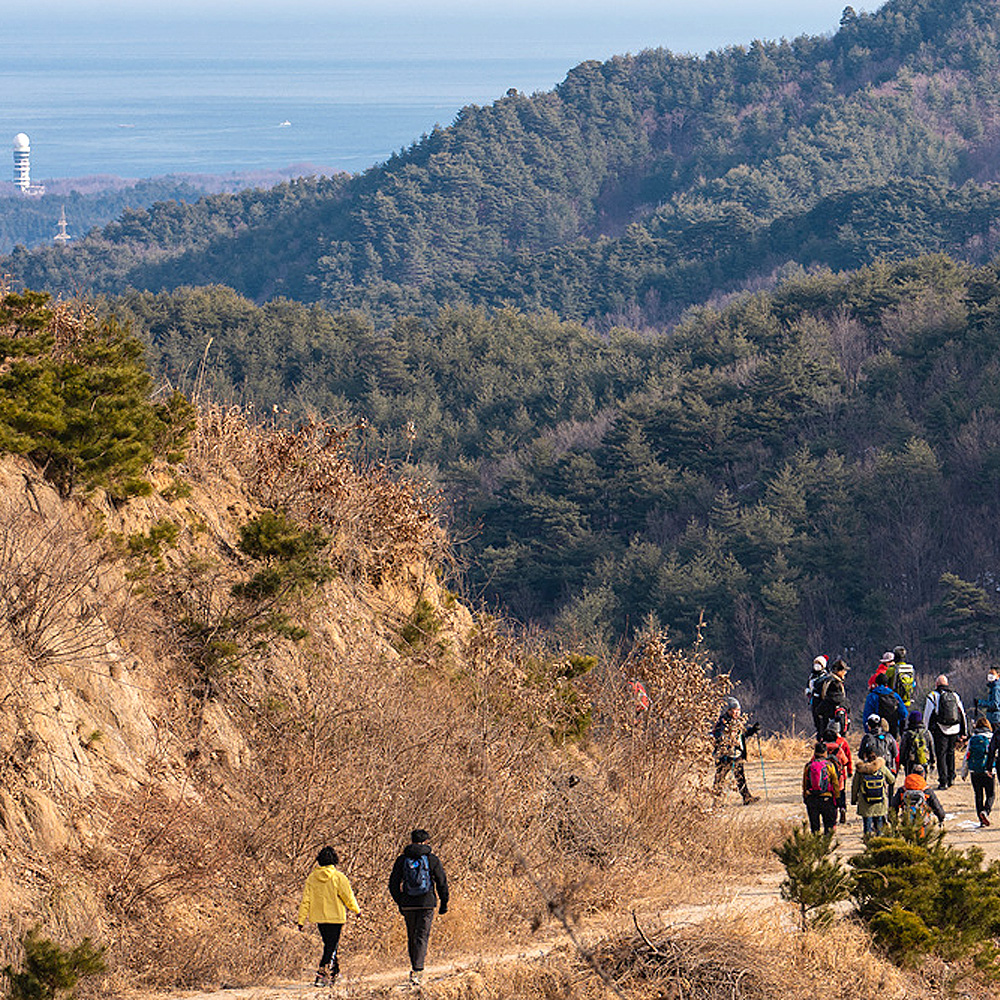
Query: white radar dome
21, 141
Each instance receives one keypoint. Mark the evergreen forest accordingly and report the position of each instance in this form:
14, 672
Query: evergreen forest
711, 341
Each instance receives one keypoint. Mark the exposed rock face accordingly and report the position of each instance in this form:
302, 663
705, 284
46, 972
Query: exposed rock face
129, 769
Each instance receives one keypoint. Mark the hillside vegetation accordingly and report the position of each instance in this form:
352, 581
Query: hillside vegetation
782, 465
637, 186
255, 655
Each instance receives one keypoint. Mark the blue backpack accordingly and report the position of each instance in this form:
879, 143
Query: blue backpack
979, 745
416, 876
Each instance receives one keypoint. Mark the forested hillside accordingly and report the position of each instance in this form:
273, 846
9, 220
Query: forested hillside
810, 466
803, 466
654, 178
94, 201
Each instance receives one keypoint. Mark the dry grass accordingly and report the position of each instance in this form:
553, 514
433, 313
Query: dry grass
734, 842
779, 747
381, 523
353, 736
740, 958
751, 957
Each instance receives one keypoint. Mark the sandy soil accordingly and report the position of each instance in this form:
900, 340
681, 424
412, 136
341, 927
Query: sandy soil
781, 799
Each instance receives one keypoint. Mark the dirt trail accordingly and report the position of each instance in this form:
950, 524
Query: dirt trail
782, 801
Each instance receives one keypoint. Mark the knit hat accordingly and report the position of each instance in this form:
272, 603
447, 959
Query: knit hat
915, 718
819, 664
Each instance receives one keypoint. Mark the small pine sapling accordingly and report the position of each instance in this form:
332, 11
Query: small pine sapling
816, 879
50, 970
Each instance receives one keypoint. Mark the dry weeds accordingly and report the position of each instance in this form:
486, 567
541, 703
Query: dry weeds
778, 747
352, 737
381, 523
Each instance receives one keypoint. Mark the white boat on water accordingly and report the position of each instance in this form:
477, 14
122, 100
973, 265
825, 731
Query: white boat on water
285, 124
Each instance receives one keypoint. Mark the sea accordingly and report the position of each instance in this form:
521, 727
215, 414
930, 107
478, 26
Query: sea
142, 91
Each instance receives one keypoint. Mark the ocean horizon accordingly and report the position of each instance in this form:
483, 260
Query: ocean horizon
143, 95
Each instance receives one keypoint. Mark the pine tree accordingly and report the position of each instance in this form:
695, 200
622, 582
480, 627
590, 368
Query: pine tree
816, 879
50, 970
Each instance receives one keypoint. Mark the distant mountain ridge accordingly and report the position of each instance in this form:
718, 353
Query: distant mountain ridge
694, 152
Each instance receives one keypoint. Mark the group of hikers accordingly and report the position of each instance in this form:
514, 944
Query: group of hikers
418, 886
899, 747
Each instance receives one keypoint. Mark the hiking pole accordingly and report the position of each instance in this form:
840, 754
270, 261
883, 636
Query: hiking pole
763, 776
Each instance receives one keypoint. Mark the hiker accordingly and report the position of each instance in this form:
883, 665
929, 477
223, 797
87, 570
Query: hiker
415, 876
915, 800
821, 790
834, 706
887, 704
730, 734
839, 751
813, 694
991, 703
916, 745
901, 676
878, 738
870, 792
979, 769
945, 715
880, 677
326, 898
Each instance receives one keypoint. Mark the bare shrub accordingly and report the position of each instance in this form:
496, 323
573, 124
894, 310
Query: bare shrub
654, 757
49, 581
379, 522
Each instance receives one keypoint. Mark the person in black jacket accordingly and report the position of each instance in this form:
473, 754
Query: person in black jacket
834, 706
415, 876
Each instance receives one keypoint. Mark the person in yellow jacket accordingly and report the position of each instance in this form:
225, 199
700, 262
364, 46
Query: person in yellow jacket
326, 898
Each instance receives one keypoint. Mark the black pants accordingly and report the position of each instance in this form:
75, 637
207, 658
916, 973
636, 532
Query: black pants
944, 750
418, 935
984, 786
821, 807
818, 721
330, 933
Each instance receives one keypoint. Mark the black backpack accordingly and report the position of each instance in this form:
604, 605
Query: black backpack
948, 712
416, 876
888, 707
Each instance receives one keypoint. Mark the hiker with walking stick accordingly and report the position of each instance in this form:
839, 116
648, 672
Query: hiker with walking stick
730, 734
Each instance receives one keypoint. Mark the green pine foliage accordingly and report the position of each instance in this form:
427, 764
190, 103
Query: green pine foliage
967, 620
638, 186
803, 465
815, 878
918, 895
50, 971
75, 397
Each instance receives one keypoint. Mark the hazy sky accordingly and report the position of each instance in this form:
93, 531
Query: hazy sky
611, 25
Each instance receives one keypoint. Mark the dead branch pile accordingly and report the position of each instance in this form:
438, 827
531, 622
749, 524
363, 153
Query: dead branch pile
701, 966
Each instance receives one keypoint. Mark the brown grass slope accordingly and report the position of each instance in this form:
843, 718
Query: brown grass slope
173, 751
